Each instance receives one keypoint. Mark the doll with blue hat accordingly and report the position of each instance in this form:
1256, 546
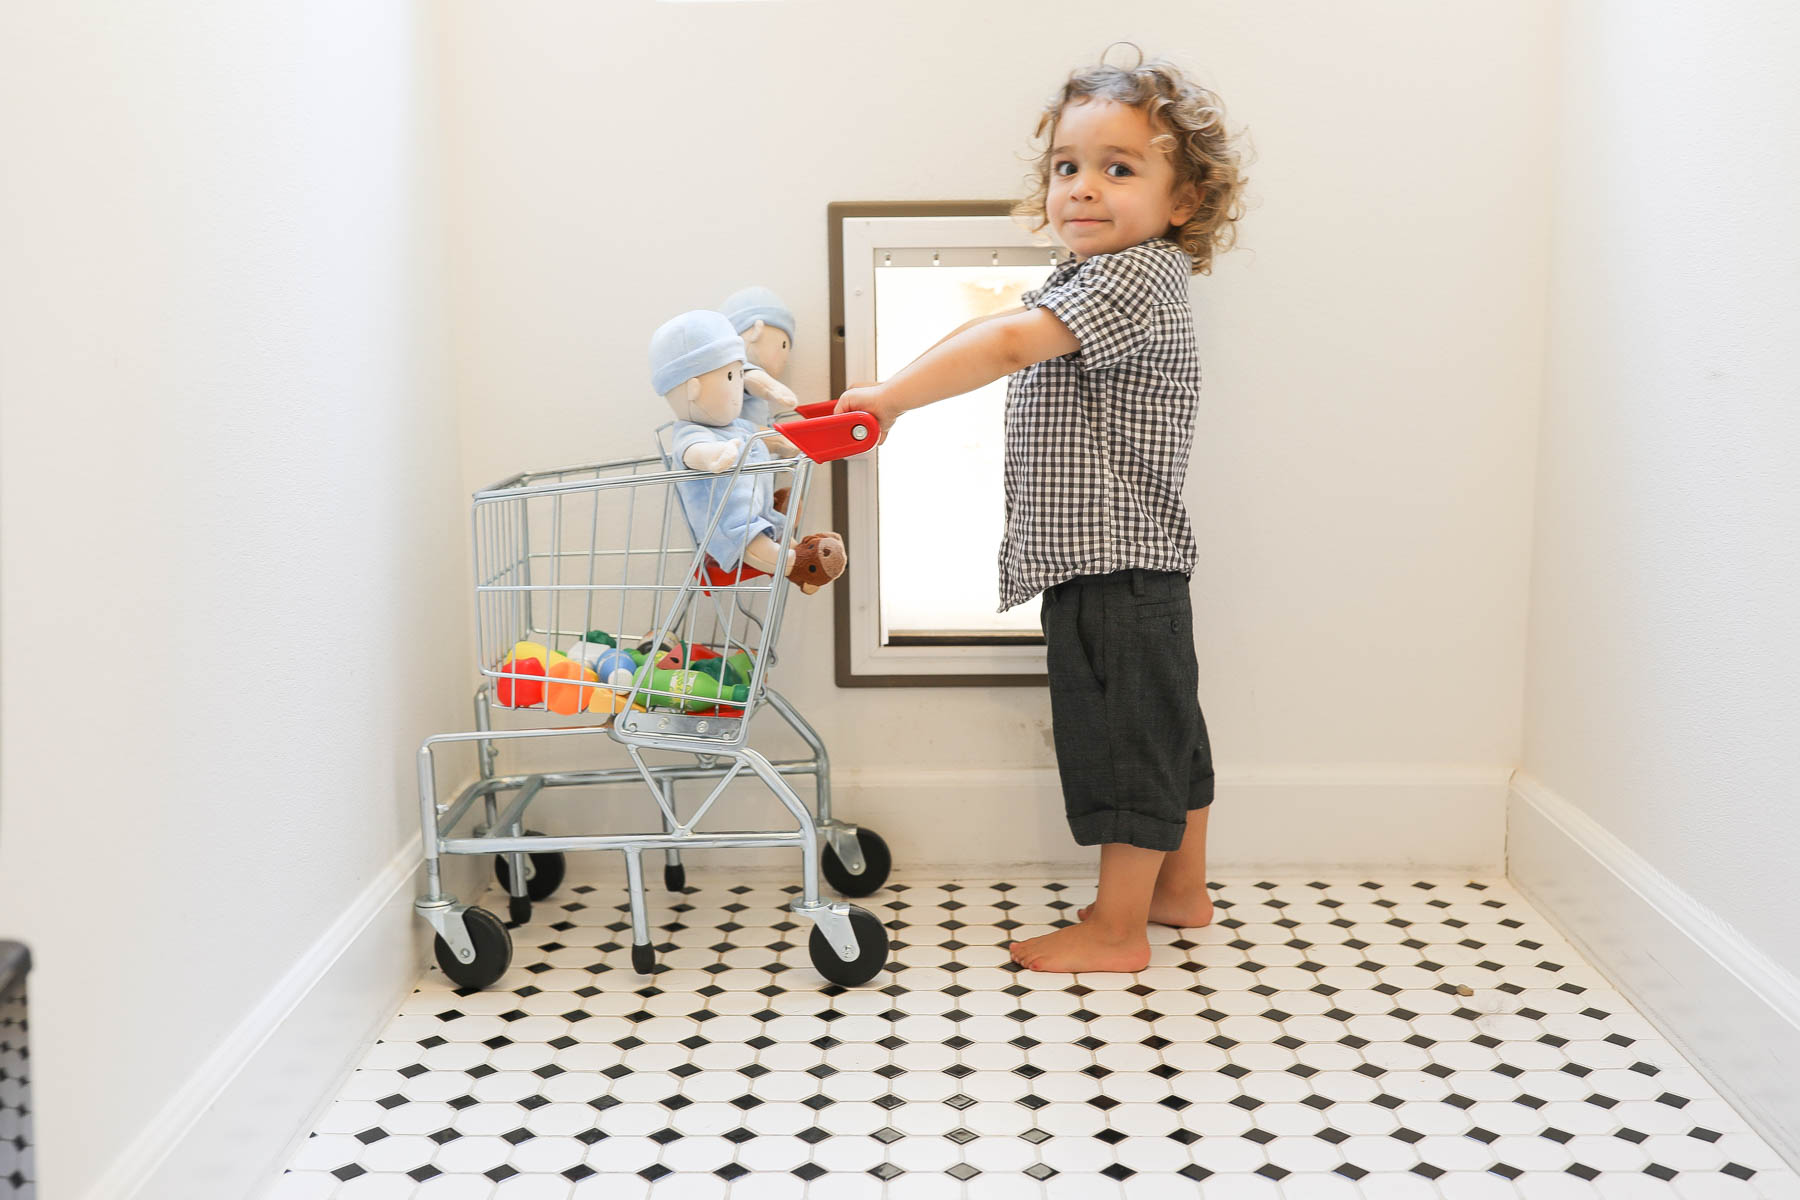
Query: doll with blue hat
697, 364
767, 327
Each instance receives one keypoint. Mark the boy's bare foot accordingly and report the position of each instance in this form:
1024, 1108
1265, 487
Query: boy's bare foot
1186, 911
1083, 948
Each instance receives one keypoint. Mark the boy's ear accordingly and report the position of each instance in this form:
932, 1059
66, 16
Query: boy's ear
1187, 203
754, 333
693, 391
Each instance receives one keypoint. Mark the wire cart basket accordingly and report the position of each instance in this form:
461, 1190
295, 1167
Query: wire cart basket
599, 612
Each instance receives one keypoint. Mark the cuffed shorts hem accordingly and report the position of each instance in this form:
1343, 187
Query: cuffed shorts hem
1129, 828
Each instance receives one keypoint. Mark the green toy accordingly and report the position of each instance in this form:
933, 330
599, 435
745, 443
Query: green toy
744, 663
721, 670
599, 635
690, 690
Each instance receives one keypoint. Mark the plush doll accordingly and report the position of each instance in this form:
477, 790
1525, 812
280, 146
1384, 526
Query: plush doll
767, 328
697, 364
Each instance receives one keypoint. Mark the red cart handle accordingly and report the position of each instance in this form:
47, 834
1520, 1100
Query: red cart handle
824, 437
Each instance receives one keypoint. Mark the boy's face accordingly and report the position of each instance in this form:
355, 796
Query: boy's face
1109, 187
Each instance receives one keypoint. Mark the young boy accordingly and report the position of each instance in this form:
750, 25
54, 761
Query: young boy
1140, 182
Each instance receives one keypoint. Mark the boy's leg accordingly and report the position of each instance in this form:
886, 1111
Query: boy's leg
1115, 667
1181, 897
1113, 937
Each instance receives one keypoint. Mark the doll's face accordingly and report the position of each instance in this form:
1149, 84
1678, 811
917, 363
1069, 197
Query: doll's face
768, 347
715, 398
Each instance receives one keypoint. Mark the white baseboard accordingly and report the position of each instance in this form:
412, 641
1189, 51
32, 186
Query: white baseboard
1726, 1006
229, 1125
952, 822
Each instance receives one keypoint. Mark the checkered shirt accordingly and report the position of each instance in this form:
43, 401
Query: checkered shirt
1097, 441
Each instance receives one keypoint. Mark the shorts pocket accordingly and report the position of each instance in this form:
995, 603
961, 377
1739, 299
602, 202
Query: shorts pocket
1158, 610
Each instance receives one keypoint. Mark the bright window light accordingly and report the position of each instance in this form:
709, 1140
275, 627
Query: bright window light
941, 501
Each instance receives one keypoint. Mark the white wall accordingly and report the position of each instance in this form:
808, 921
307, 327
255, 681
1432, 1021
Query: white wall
231, 551
1663, 693
1664, 683
1361, 483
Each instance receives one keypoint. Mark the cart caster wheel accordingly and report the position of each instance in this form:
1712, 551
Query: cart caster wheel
643, 959
877, 862
519, 908
544, 876
493, 951
675, 876
871, 951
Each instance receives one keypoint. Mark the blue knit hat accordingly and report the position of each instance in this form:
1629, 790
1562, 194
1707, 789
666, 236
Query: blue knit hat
754, 304
692, 344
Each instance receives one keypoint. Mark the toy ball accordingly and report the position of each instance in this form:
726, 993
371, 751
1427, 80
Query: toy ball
614, 667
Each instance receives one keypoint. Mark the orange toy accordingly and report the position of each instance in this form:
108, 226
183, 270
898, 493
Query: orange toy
569, 698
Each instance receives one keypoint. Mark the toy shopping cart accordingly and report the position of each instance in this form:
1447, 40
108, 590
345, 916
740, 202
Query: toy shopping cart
599, 613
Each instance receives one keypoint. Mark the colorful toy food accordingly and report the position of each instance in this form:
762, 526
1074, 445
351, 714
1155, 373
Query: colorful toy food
537, 650
615, 667
565, 697
606, 700
690, 690
599, 635
720, 670
604, 661
520, 693
527, 658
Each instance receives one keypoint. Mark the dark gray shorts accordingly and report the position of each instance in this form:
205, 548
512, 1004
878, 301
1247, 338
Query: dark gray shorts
1131, 742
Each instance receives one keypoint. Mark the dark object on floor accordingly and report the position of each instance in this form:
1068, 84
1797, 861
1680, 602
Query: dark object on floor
877, 862
17, 1180
871, 945
493, 951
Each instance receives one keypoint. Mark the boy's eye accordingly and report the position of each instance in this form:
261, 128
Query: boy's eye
1062, 168
1118, 170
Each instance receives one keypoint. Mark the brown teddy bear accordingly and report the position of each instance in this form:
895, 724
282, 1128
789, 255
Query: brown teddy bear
818, 559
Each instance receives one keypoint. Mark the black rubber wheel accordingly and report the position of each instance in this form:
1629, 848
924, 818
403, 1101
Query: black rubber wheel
544, 877
643, 959
675, 876
871, 951
519, 909
877, 862
493, 951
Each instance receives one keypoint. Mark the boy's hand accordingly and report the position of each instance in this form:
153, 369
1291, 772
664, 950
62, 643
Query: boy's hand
871, 398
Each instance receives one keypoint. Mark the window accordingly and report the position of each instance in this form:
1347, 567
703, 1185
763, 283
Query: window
922, 517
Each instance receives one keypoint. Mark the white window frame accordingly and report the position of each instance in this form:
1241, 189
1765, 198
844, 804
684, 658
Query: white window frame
863, 658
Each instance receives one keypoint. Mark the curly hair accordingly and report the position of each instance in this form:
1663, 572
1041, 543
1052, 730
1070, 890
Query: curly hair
1191, 119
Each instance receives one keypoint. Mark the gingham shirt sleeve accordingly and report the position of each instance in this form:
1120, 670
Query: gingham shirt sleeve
1105, 304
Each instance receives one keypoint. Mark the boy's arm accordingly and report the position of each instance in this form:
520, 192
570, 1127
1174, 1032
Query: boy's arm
972, 356
1008, 312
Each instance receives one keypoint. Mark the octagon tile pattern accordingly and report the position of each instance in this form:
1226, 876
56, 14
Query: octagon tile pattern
1315, 1041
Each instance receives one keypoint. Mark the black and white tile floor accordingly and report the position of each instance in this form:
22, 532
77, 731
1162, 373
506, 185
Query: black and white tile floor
1311, 1043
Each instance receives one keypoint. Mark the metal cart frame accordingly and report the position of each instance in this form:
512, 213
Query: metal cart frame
532, 583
